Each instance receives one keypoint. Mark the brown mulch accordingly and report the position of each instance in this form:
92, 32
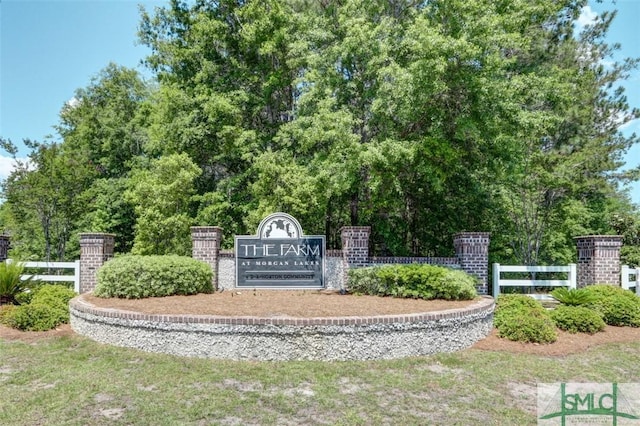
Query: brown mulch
271, 303
323, 303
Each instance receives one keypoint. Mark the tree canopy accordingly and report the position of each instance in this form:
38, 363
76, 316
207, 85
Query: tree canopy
420, 119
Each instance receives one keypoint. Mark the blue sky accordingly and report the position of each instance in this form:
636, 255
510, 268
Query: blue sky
50, 48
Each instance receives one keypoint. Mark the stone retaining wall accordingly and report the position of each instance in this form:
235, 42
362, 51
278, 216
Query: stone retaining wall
286, 338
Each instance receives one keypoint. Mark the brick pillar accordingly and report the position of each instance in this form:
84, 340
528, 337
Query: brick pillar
206, 247
4, 247
355, 245
472, 251
95, 250
355, 248
598, 259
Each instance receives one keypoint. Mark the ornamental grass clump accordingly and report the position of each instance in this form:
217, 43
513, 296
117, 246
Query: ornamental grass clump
523, 319
11, 283
573, 296
416, 281
136, 277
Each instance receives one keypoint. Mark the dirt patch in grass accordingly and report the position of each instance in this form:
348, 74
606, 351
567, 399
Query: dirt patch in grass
323, 303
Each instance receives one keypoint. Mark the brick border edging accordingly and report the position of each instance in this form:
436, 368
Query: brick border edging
287, 339
485, 303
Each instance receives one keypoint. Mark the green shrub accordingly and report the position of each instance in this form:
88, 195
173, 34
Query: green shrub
36, 317
513, 304
617, 306
521, 318
135, 277
510, 301
53, 295
508, 304
5, 313
49, 307
412, 281
24, 298
366, 281
577, 319
529, 326
572, 297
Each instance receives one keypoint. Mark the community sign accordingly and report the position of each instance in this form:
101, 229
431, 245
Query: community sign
280, 256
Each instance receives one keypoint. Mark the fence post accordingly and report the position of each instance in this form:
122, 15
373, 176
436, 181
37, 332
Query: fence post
76, 276
496, 280
624, 281
573, 275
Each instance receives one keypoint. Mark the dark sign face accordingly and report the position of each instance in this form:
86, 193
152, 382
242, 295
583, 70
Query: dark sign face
280, 256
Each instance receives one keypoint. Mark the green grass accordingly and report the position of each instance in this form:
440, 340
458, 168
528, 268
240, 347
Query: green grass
75, 381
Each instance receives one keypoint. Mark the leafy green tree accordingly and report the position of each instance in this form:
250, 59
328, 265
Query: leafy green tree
161, 196
570, 143
227, 84
421, 119
108, 211
46, 189
106, 121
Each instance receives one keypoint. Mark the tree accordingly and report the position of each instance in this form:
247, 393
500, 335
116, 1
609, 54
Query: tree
571, 146
47, 188
106, 121
161, 197
421, 119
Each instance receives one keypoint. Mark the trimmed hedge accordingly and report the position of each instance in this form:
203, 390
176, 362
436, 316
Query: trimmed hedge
521, 318
617, 306
577, 319
136, 277
417, 281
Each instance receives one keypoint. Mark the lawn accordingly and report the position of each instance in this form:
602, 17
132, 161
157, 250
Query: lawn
72, 380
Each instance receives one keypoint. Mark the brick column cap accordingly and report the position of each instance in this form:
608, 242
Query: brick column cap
202, 228
85, 235
205, 232
355, 228
600, 237
471, 234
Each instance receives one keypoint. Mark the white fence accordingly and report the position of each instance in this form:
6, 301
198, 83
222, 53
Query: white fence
628, 283
64, 266
498, 281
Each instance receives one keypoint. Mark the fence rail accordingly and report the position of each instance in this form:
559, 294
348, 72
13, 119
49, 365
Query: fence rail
498, 281
628, 283
64, 266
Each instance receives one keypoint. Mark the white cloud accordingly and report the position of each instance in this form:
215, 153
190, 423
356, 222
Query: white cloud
7, 164
629, 125
73, 102
587, 17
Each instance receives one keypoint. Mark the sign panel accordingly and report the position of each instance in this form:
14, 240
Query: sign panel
280, 256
